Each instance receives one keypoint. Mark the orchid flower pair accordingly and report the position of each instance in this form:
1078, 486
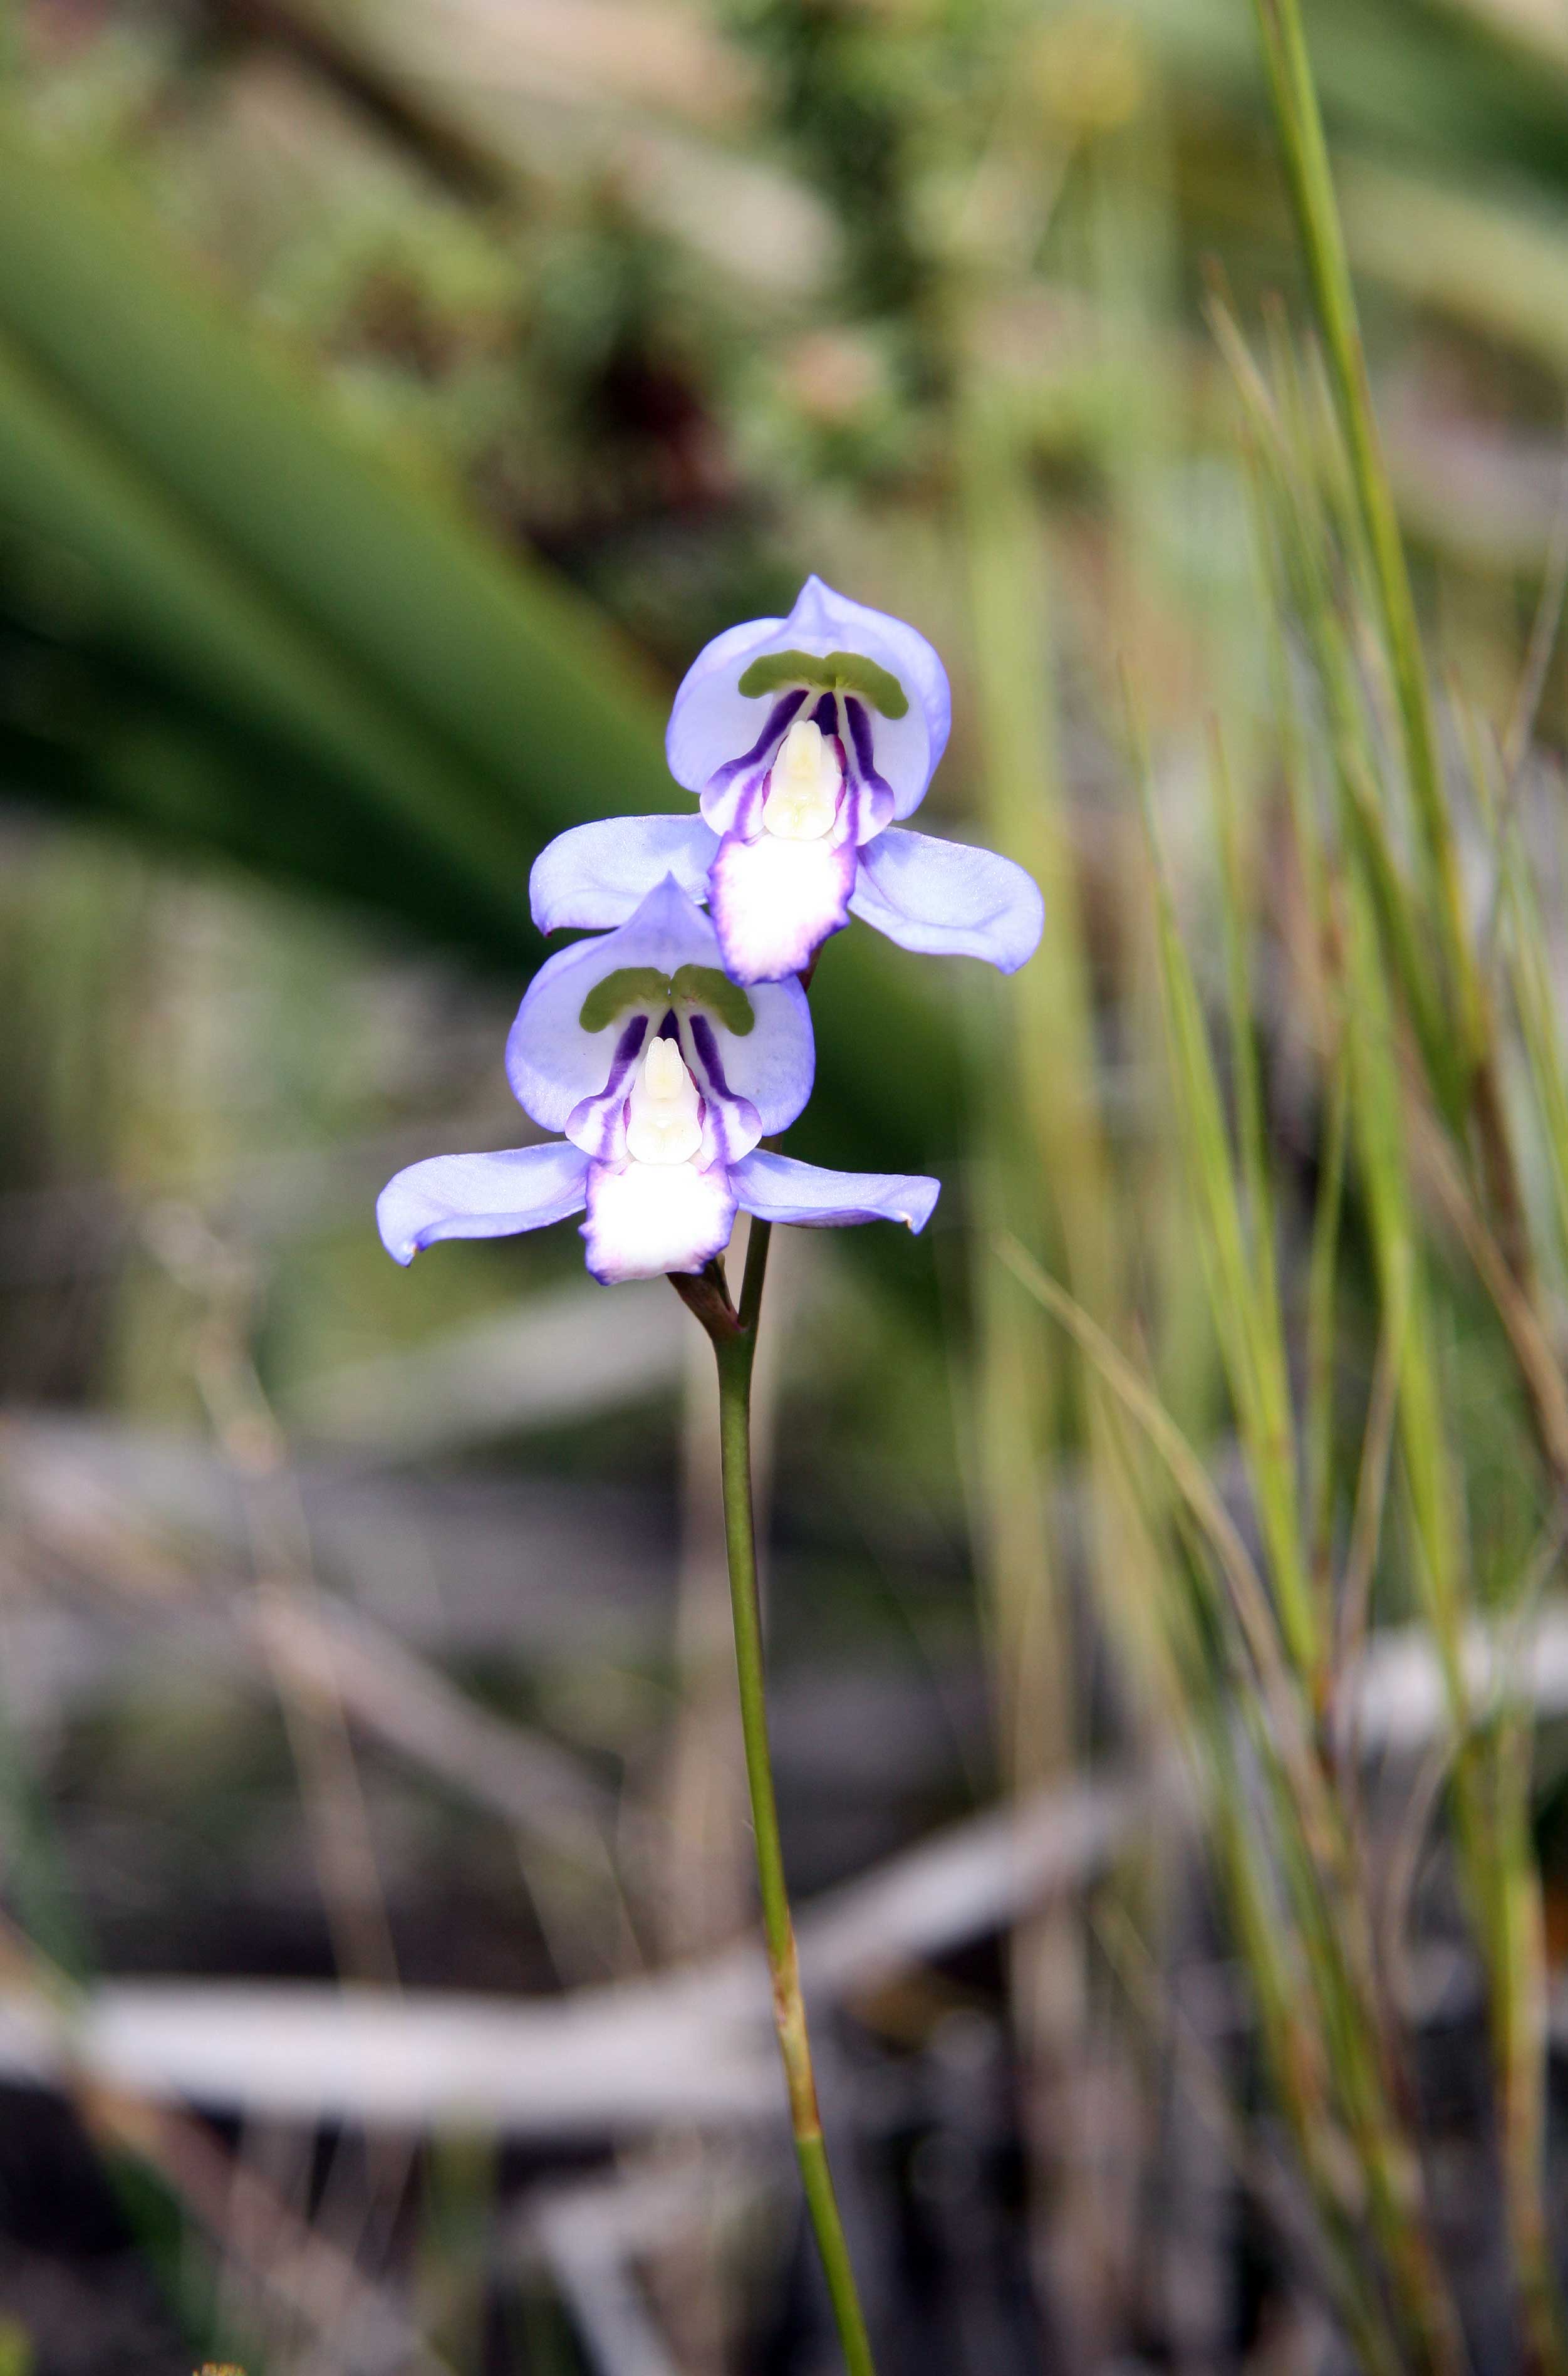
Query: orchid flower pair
669, 1047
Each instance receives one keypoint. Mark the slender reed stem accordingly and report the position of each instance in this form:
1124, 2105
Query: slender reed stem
1501, 1881
734, 1334
1306, 150
1300, 129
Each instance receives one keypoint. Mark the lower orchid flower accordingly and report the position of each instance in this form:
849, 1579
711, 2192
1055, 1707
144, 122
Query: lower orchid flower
805, 738
664, 1075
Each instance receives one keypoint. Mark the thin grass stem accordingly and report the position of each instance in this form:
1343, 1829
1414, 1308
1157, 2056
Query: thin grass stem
1300, 130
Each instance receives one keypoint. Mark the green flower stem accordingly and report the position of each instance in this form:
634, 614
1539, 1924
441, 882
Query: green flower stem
734, 1335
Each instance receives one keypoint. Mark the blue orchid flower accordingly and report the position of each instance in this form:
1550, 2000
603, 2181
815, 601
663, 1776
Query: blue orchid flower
805, 738
664, 1075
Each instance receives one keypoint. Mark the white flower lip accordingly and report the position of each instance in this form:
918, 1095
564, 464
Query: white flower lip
775, 901
647, 1217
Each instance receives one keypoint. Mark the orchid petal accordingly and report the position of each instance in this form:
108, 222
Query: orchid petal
822, 616
647, 1217
552, 1061
716, 732
733, 796
946, 899
711, 721
776, 1188
598, 876
479, 1196
598, 1125
775, 902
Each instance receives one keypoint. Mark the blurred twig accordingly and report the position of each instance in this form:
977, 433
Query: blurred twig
692, 2044
280, 2256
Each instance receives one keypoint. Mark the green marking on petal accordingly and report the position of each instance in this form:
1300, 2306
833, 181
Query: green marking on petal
697, 985
706, 986
628, 986
839, 672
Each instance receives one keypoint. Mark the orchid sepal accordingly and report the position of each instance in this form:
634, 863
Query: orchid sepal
482, 1196
949, 898
778, 1188
593, 877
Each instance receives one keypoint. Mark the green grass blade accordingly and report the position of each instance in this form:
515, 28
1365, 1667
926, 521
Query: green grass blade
504, 666
178, 602
1299, 125
1243, 1290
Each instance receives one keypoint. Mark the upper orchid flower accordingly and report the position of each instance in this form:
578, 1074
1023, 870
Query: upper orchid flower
663, 1075
805, 737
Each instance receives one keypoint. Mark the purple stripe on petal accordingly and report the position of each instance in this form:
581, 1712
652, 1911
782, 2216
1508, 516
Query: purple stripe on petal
730, 1128
597, 1124
731, 1120
739, 810
749, 802
870, 798
780, 720
707, 1053
735, 791
859, 734
770, 1067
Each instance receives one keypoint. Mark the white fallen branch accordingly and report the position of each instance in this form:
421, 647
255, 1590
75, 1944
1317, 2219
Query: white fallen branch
590, 2233
602, 2063
692, 2047
468, 1563
553, 1357
1403, 1701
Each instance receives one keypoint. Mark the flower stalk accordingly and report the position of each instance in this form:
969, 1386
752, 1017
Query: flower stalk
670, 1048
734, 1332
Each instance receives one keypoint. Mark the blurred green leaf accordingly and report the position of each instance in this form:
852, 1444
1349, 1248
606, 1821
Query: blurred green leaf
331, 676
